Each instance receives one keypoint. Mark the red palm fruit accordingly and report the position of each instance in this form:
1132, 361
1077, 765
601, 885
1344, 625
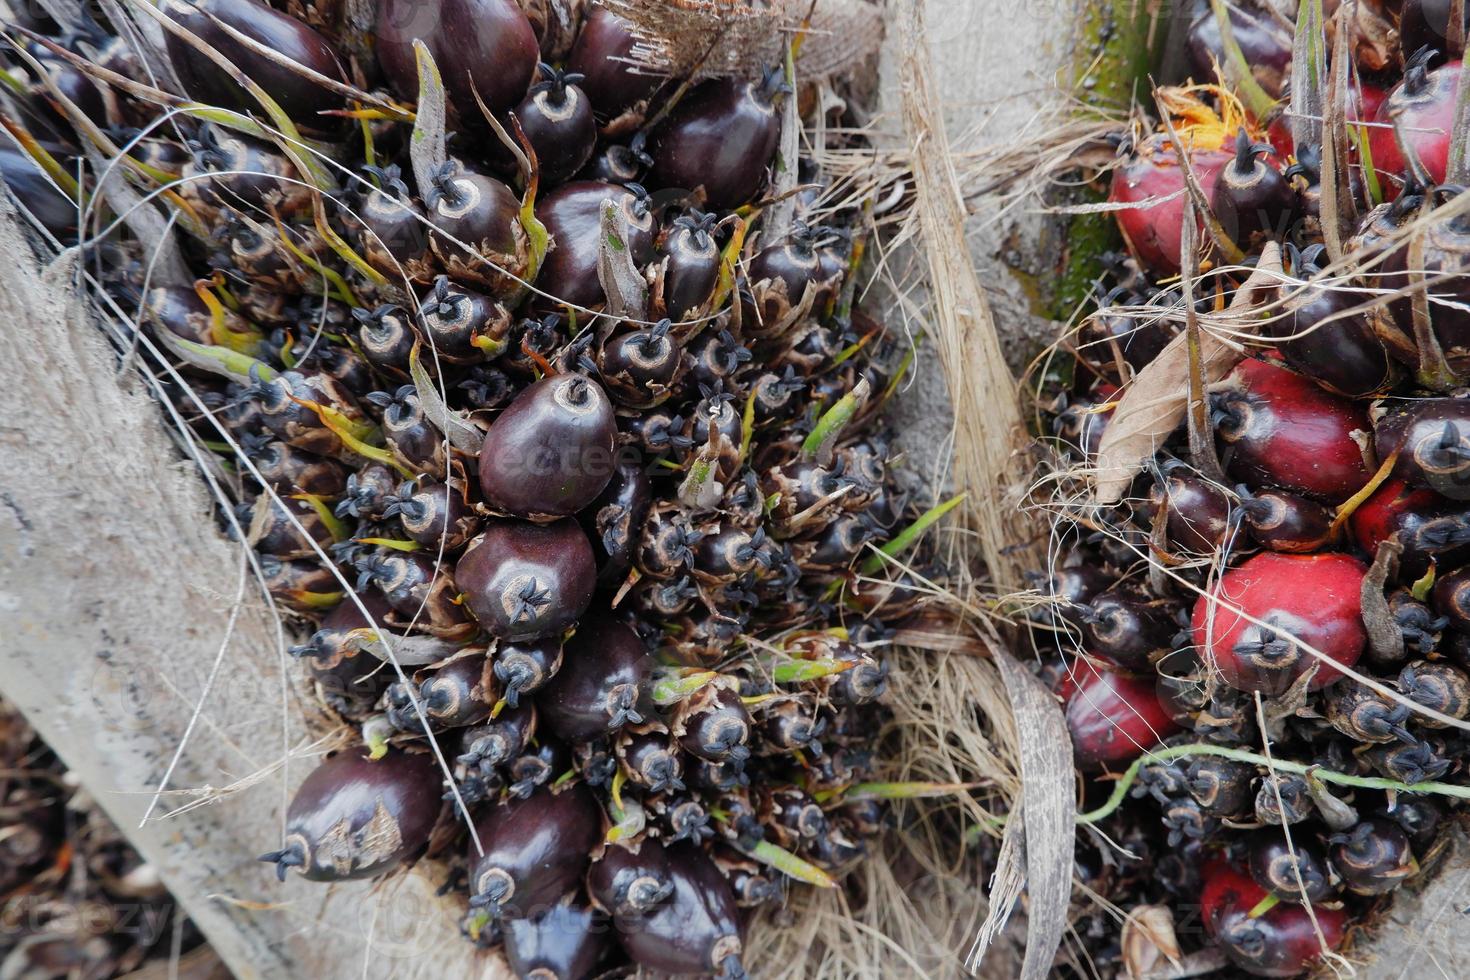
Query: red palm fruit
1311, 599
720, 137
1279, 429
535, 850
354, 817
301, 98
550, 452
1251, 199
601, 55
1432, 439
1283, 942
484, 46
1260, 35
572, 215
1113, 717
556, 117
697, 929
563, 943
1154, 233
1285, 521
525, 581
1425, 523
1426, 23
1418, 117
601, 684
1197, 511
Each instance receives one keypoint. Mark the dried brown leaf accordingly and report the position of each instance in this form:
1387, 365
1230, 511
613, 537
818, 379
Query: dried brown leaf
1148, 940
1155, 401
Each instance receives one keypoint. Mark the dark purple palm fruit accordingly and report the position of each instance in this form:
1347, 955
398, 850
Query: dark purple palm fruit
649, 757
1283, 799
1317, 336
303, 99
1432, 439
1420, 626
1426, 23
556, 117
697, 929
685, 278
482, 387
533, 343
454, 695
781, 276
1222, 787
572, 214
713, 724
1251, 199
602, 682
434, 514
1411, 762
747, 877
484, 214
565, 942
541, 764
666, 548
34, 188
393, 237
367, 493
631, 877
285, 408
415, 441
1285, 521
1452, 598
719, 138
462, 325
1374, 857
525, 581
778, 395
1364, 715
601, 56
1260, 35
619, 163
614, 521
1446, 266
354, 817
418, 588
497, 741
1291, 873
1197, 511
1130, 628
484, 49
535, 850
1420, 816
228, 170
349, 679
1438, 686
715, 358
792, 725
640, 366
550, 452
274, 532
524, 668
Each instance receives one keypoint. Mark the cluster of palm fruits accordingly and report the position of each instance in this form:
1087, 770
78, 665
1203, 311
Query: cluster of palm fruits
570, 448
1267, 636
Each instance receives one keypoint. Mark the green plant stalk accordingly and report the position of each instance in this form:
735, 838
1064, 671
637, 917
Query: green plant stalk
906, 538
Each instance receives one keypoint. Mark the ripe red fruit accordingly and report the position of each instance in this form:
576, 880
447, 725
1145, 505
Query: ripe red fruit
1420, 116
1113, 717
1278, 429
1281, 942
1312, 599
1154, 233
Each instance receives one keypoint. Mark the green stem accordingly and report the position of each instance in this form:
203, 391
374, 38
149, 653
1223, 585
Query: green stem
906, 538
1164, 753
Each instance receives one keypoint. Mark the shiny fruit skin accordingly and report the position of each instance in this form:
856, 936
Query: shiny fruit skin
301, 99
696, 930
1113, 717
1340, 353
572, 214
535, 850
601, 683
601, 55
1425, 23
1432, 439
524, 581
1280, 943
484, 46
1313, 598
721, 136
349, 803
1154, 234
1422, 106
1282, 430
550, 452
565, 942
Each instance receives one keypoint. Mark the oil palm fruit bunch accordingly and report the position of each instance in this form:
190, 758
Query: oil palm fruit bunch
555, 425
1266, 603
